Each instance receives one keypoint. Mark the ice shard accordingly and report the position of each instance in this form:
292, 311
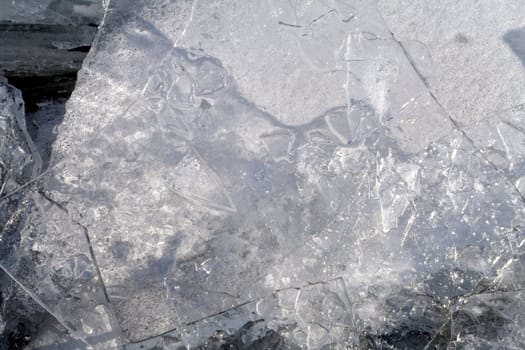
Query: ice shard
45, 253
279, 174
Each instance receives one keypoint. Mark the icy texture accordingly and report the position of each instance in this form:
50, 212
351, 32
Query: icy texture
19, 157
475, 48
286, 180
15, 165
44, 252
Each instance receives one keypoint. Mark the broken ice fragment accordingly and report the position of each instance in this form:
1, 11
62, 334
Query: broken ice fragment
279, 145
192, 179
363, 233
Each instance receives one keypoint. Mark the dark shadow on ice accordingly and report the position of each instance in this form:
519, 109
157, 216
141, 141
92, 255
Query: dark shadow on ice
515, 38
42, 125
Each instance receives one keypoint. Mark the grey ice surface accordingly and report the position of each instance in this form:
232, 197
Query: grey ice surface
288, 175
19, 161
45, 254
476, 50
16, 165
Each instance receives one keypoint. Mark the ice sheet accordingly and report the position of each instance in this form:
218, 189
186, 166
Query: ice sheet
286, 173
472, 48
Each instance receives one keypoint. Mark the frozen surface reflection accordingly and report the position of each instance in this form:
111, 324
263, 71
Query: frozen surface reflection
272, 174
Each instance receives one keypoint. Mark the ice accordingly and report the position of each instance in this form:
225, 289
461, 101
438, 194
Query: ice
20, 159
16, 165
49, 260
194, 181
472, 57
299, 179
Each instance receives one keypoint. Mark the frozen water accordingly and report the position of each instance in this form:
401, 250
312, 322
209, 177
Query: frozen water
287, 180
20, 159
49, 260
477, 59
16, 166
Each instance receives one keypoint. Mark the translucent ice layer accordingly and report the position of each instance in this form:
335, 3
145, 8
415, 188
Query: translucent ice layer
282, 174
44, 252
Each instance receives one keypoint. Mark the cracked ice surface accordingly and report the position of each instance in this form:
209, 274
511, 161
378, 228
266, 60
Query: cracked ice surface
50, 262
285, 179
44, 251
477, 69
